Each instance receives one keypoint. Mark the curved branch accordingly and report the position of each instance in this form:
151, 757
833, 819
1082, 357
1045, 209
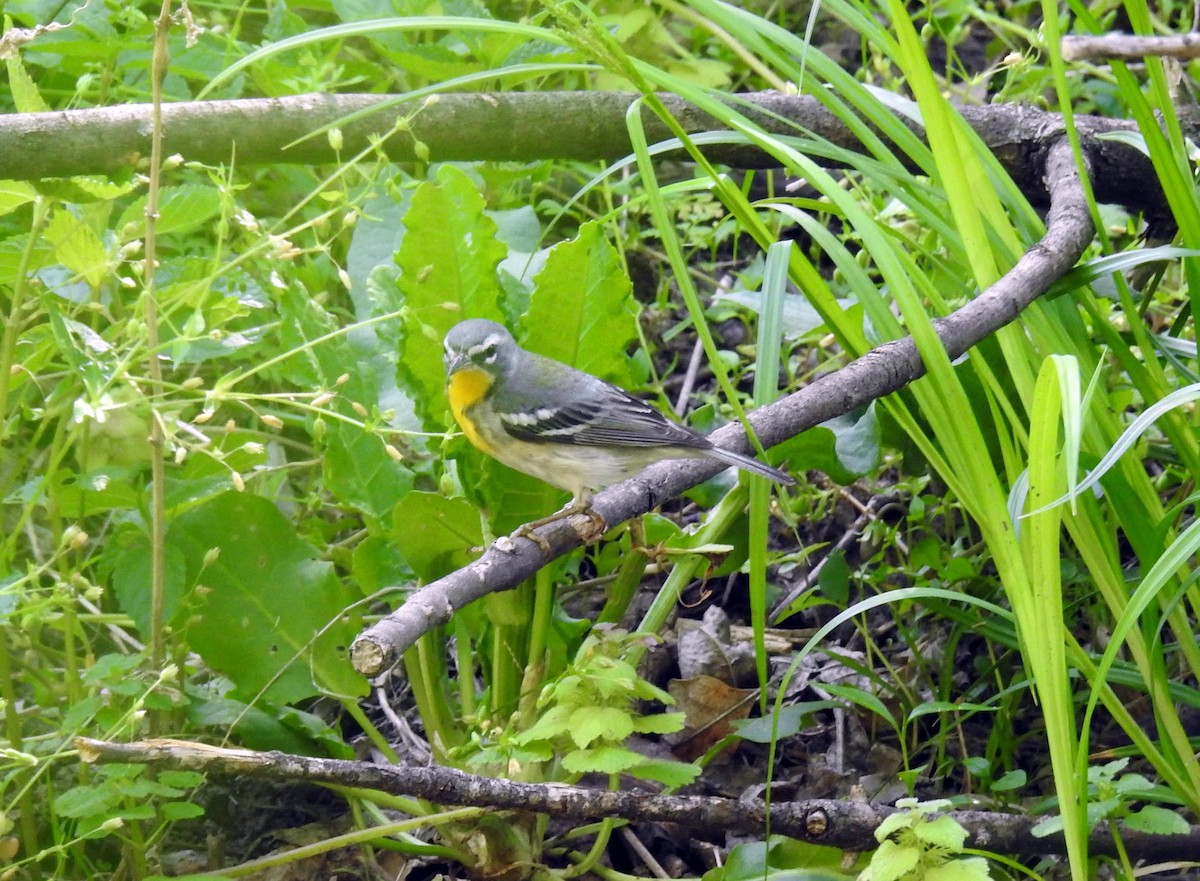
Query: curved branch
841, 823
880, 372
514, 126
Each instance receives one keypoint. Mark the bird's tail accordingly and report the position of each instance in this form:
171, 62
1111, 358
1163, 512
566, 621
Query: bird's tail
746, 463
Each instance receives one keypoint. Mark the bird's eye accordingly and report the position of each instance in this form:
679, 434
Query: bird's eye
489, 353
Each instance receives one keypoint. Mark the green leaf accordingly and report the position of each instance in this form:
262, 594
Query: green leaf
666, 772
966, 869
179, 209
600, 723
180, 810
272, 615
893, 823
14, 194
581, 311
551, 724
435, 534
1157, 820
603, 760
87, 800
21, 87
447, 265
1009, 781
892, 861
845, 448
791, 720
360, 473
944, 832
131, 577
660, 723
77, 247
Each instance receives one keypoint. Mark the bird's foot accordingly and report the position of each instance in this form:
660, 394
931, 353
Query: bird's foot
592, 531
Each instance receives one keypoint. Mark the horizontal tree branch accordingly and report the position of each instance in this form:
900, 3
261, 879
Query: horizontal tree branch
513, 126
880, 372
1130, 47
841, 823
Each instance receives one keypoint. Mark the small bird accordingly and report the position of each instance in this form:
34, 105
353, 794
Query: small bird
559, 424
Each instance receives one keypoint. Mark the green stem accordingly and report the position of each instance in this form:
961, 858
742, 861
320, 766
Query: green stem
12, 327
158, 524
535, 662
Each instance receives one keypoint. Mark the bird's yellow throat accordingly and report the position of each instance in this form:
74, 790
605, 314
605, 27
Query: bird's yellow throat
465, 389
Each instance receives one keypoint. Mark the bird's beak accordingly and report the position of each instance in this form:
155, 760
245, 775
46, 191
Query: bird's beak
454, 361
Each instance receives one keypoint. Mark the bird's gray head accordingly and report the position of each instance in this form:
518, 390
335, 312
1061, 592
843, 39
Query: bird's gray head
480, 343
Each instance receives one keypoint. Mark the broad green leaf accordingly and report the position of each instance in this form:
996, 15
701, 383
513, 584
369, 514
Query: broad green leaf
845, 448
966, 869
272, 615
179, 209
14, 194
77, 247
602, 759
942, 831
581, 311
779, 859
666, 772
447, 262
360, 473
893, 861
660, 723
1158, 821
131, 579
435, 534
600, 723
790, 720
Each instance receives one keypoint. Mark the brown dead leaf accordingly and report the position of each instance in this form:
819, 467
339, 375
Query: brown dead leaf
709, 706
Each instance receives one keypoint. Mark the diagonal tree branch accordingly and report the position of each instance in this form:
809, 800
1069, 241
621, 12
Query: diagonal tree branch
880, 372
842, 823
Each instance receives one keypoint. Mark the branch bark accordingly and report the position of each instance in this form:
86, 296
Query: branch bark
515, 126
880, 372
844, 824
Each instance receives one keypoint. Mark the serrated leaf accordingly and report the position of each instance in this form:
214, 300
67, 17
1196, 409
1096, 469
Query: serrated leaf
1157, 820
273, 614
448, 262
435, 534
892, 861
601, 760
943, 832
660, 723
581, 310
551, 724
21, 87
966, 869
14, 194
179, 210
77, 247
595, 723
893, 823
666, 772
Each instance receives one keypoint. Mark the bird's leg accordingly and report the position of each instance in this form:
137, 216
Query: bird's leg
581, 504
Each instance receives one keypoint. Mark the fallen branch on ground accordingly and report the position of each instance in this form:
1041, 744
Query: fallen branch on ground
849, 825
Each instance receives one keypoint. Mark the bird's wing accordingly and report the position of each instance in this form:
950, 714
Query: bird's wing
606, 416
